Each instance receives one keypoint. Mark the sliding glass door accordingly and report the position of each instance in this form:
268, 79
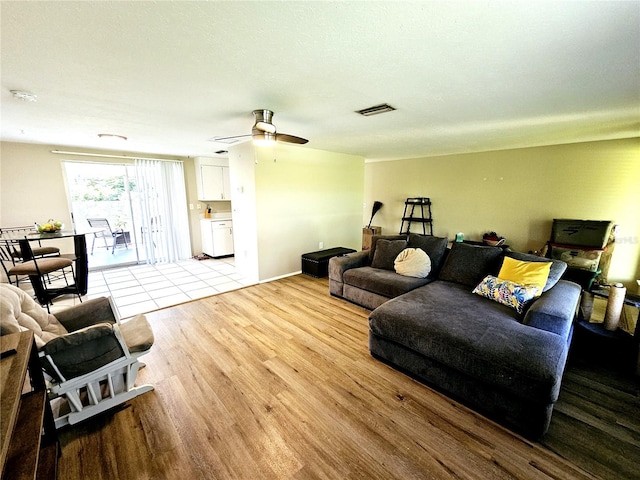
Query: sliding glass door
100, 197
131, 213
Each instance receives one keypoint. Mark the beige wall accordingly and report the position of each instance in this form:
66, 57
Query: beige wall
32, 185
33, 189
243, 202
519, 192
300, 197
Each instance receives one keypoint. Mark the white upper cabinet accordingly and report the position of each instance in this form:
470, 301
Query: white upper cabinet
212, 176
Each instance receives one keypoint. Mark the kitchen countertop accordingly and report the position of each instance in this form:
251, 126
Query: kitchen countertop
219, 216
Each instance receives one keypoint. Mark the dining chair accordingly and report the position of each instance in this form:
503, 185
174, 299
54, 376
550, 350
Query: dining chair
13, 264
39, 270
8, 263
103, 230
14, 248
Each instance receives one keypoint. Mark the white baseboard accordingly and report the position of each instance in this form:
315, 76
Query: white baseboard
280, 276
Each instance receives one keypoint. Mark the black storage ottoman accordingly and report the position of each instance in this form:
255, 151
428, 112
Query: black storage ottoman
316, 264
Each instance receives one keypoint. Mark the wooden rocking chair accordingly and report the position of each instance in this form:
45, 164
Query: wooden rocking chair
90, 357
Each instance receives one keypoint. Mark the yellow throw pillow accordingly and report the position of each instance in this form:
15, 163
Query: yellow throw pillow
525, 273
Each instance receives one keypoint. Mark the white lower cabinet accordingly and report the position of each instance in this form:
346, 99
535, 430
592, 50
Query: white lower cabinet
217, 237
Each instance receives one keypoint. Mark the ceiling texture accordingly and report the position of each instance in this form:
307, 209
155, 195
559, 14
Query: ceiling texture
463, 76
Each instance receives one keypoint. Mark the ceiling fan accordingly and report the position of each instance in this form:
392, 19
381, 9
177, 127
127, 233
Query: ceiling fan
263, 132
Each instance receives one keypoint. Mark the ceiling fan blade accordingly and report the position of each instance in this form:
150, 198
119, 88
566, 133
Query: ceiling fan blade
227, 139
283, 137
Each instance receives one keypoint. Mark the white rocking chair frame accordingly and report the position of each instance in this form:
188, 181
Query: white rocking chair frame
99, 390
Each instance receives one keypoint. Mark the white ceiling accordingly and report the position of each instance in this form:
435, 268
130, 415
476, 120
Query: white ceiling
464, 76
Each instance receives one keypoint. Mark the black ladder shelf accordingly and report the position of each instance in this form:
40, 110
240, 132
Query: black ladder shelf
411, 215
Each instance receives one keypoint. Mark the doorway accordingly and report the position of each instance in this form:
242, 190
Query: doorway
104, 191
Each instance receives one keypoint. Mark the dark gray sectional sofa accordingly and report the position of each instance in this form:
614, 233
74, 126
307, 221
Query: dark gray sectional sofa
504, 364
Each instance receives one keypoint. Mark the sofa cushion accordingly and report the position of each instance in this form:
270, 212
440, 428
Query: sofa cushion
435, 247
412, 262
386, 253
525, 273
469, 264
446, 323
374, 243
558, 267
382, 282
506, 292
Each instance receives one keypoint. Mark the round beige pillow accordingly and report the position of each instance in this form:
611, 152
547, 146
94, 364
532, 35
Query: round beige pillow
413, 262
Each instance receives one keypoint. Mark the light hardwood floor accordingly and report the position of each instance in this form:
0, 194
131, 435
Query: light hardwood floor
275, 381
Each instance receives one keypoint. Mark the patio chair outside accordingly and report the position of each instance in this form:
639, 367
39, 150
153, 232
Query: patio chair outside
103, 230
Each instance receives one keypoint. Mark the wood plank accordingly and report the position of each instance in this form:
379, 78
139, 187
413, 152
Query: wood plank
276, 381
13, 369
48, 462
22, 459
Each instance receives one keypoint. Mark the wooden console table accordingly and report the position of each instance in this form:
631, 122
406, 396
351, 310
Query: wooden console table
25, 450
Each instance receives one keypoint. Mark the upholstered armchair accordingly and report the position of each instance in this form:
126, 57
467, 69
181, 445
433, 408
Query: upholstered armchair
89, 356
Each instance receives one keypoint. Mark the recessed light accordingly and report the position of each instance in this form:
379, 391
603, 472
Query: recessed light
25, 96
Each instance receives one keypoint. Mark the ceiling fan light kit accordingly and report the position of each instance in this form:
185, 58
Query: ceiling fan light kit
263, 139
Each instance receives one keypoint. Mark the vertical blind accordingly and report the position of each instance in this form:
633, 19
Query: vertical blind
165, 222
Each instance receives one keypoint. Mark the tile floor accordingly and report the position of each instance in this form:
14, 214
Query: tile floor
142, 288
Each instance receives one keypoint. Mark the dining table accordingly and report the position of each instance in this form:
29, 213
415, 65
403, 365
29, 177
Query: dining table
24, 240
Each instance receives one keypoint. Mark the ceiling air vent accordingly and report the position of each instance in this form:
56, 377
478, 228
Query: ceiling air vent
221, 152
376, 109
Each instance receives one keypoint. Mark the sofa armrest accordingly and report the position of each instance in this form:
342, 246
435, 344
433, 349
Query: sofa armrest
339, 265
555, 310
88, 313
82, 351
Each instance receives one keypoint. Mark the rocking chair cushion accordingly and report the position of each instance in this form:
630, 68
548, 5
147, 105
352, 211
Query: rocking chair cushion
20, 312
137, 334
82, 351
87, 313
79, 337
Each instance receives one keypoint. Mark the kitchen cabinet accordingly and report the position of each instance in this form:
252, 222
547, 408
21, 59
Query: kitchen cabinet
212, 177
217, 237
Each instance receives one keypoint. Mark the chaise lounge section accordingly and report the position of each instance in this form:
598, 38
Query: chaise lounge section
504, 363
